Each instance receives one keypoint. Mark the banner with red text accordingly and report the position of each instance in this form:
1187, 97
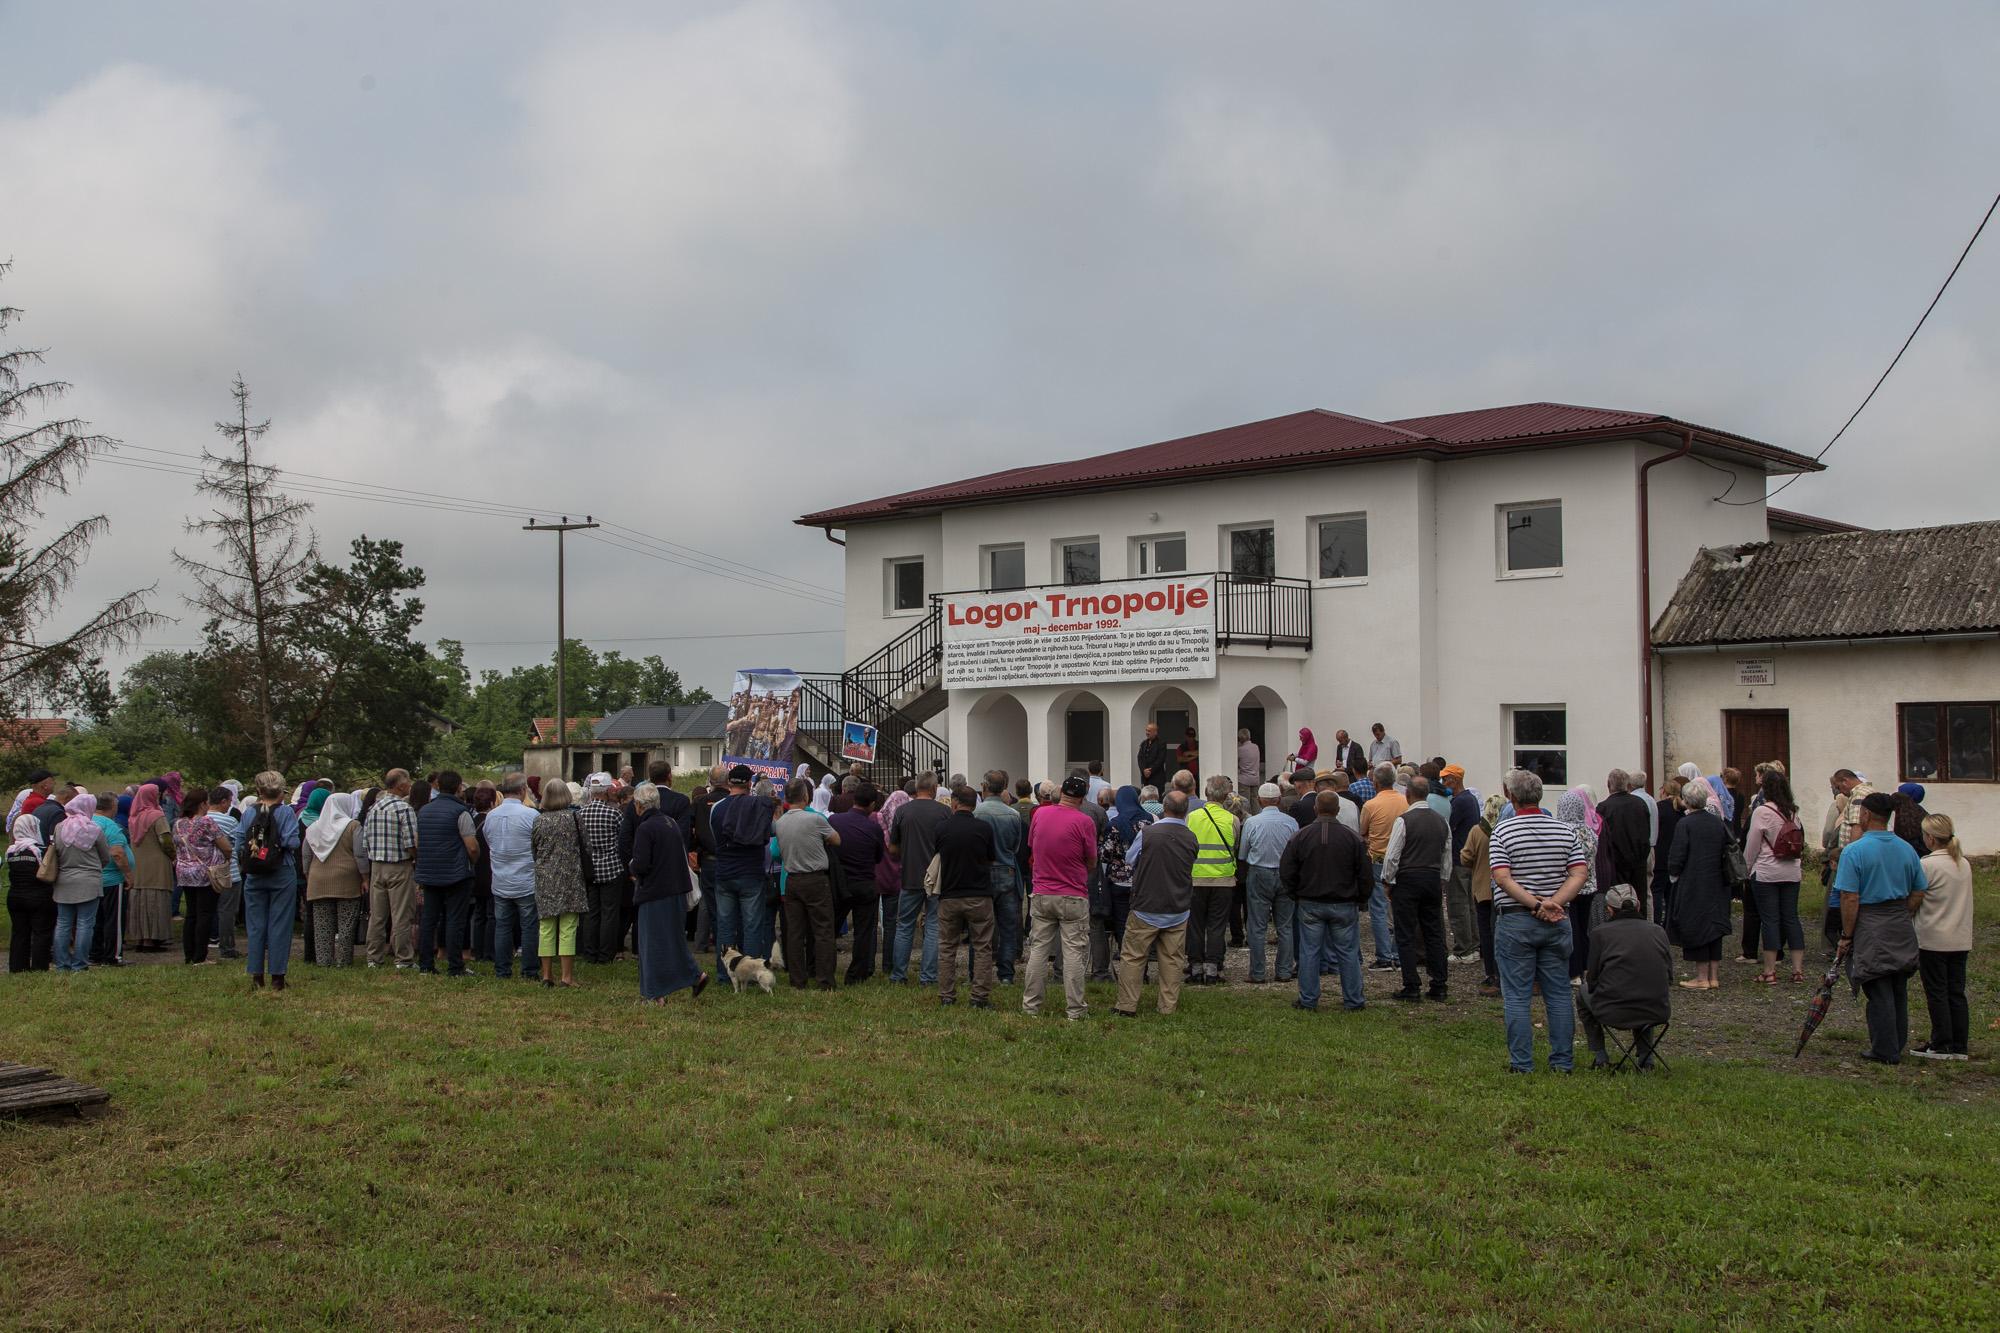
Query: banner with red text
1139, 629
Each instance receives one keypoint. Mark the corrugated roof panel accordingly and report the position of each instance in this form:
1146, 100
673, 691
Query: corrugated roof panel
1839, 585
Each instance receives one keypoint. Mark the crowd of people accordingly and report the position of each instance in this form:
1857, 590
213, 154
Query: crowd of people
1576, 901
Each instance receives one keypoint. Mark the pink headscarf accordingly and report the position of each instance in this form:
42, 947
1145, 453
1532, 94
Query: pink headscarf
1591, 819
170, 787
146, 812
886, 816
79, 829
1308, 747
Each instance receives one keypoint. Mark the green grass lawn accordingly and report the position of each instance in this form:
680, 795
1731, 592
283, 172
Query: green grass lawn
378, 1150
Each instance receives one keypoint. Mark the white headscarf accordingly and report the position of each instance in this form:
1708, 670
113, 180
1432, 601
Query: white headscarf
334, 817
14, 810
803, 771
1691, 771
27, 835
823, 794
235, 790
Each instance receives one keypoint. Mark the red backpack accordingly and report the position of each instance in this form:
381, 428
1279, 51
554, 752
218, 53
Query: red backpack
1790, 844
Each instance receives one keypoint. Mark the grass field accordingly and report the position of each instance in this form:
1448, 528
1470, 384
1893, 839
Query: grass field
379, 1150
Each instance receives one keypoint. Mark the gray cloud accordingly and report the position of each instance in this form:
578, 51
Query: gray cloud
700, 271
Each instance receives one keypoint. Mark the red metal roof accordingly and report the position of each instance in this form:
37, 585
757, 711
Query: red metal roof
1303, 439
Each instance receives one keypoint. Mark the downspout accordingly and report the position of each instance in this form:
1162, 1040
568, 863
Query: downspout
1646, 599
837, 541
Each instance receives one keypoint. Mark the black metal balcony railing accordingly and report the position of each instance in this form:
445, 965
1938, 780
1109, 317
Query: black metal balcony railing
1277, 613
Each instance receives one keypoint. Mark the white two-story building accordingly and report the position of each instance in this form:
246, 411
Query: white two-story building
1482, 583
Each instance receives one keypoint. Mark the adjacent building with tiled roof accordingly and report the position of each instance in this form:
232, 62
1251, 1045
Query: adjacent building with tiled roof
1877, 651
688, 736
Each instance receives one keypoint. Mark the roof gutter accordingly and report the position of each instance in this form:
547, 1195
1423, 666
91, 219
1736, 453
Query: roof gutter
1646, 597
837, 541
1962, 636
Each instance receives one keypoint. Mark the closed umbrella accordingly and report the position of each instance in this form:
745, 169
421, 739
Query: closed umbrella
1822, 1001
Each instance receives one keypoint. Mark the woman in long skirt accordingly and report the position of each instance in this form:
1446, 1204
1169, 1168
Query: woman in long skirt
151, 922
661, 886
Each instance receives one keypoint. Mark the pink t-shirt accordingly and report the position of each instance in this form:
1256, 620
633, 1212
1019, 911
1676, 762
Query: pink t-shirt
1063, 841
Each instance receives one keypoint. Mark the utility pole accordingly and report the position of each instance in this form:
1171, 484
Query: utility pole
562, 703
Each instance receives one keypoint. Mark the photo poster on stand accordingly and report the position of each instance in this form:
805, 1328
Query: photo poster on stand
857, 742
763, 721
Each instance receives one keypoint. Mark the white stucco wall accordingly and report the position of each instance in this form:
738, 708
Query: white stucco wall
1435, 642
1842, 703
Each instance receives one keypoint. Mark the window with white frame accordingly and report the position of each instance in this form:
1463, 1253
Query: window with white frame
1342, 542
1162, 554
1252, 550
905, 584
1531, 537
1077, 561
707, 755
1005, 566
1538, 736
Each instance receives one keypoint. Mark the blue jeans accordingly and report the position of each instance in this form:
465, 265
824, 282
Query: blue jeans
1334, 928
270, 906
1380, 922
1264, 895
1006, 921
515, 921
910, 903
80, 918
1529, 951
742, 918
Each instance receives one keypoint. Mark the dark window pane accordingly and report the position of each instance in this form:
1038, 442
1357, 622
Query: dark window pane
1551, 766
1085, 738
1920, 742
1343, 547
1541, 726
1007, 568
910, 585
1080, 562
1170, 555
1971, 755
1535, 538
1253, 553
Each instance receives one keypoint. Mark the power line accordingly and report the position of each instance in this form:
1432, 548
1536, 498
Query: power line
503, 509
592, 639
1883, 377
488, 509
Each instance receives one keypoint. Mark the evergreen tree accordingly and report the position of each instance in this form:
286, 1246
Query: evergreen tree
39, 668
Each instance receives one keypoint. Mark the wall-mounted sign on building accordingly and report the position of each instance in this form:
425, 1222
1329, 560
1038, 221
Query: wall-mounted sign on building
1756, 671
1142, 629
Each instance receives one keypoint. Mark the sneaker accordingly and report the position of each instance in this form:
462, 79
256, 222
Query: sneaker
1384, 965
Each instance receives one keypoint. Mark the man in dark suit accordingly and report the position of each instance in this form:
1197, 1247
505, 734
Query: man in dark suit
1153, 771
1347, 754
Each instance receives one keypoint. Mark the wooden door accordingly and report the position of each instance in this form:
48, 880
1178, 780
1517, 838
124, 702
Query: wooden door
1753, 736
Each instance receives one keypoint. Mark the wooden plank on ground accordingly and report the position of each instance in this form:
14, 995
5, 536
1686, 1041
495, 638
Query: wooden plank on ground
49, 1095
12, 1075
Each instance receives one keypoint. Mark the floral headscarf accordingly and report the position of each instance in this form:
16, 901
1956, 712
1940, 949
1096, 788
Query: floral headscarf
79, 827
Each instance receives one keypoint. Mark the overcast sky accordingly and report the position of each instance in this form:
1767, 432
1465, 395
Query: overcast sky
699, 269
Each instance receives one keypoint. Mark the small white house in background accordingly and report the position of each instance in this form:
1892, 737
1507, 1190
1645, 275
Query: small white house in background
1476, 581
688, 736
1875, 651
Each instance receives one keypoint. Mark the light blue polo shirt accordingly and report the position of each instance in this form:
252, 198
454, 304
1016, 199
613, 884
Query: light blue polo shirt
1880, 867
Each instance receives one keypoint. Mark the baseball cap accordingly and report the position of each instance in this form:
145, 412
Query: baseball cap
1451, 772
40, 775
598, 782
1268, 792
741, 773
1076, 784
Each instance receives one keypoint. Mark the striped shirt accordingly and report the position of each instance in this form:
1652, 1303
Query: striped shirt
1539, 851
600, 841
390, 831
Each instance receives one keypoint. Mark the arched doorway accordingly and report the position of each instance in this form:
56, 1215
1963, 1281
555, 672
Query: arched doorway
1079, 733
1263, 714
996, 736
1170, 708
